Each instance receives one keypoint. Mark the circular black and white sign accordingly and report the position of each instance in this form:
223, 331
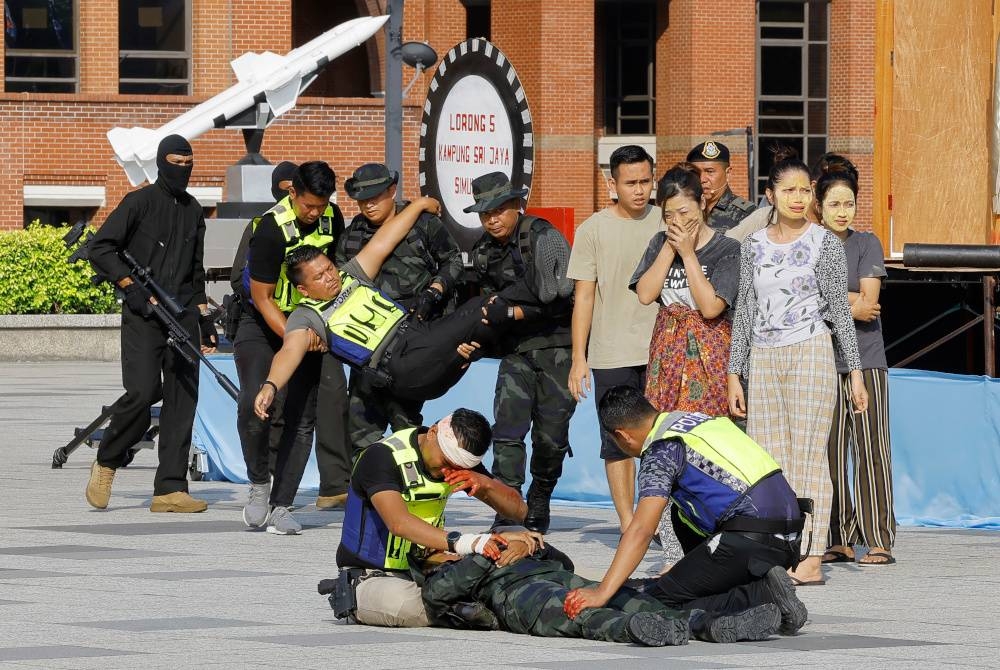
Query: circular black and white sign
476, 120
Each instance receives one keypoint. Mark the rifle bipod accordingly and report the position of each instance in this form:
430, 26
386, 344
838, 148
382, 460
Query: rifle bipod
94, 432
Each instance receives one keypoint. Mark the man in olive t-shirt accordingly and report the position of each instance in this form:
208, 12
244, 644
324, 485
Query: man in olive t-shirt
607, 249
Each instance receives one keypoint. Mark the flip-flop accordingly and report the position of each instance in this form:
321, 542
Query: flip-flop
802, 582
838, 557
889, 558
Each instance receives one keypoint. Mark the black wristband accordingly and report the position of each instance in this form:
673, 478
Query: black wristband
268, 381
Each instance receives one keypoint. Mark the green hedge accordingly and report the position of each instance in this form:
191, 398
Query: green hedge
36, 279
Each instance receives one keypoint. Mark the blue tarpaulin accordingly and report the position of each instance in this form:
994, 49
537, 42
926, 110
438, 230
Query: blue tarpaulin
945, 442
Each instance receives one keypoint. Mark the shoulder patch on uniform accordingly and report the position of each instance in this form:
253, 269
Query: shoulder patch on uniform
743, 204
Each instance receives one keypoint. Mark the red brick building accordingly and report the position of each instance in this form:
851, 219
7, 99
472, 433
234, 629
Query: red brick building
597, 74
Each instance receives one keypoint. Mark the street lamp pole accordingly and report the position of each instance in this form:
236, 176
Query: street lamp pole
393, 92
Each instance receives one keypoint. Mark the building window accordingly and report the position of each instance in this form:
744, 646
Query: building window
477, 18
629, 47
154, 41
793, 54
349, 75
40, 46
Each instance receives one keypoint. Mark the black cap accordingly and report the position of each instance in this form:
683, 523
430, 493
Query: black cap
492, 190
709, 151
369, 180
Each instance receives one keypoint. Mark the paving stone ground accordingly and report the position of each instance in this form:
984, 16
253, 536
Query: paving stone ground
124, 588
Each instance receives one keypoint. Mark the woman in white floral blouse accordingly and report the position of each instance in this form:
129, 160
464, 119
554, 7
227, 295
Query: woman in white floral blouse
792, 298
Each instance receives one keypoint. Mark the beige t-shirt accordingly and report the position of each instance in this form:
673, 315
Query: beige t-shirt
751, 223
607, 249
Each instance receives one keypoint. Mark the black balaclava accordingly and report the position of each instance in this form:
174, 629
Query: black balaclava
174, 177
283, 171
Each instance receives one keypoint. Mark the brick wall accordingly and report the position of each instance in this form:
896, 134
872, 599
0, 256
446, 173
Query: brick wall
703, 84
705, 70
852, 95
553, 53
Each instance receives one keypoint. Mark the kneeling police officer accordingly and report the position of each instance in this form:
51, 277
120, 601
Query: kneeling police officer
735, 515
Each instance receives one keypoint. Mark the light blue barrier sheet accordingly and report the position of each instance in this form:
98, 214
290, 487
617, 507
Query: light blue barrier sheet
945, 442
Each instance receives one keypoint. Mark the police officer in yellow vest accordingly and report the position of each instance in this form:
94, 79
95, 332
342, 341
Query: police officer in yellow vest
396, 512
737, 518
304, 217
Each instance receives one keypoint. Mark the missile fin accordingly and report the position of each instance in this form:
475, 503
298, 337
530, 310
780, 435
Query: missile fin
252, 66
283, 98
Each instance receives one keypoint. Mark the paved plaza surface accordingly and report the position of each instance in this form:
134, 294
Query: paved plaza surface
125, 588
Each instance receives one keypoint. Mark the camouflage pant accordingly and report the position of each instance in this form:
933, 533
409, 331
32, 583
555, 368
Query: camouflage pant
371, 410
531, 392
542, 601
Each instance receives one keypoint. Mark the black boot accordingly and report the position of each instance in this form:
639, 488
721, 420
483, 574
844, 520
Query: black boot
539, 494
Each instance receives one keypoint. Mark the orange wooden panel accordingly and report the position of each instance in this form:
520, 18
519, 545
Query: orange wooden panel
941, 122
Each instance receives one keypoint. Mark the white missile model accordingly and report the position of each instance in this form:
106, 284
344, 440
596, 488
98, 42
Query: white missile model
262, 78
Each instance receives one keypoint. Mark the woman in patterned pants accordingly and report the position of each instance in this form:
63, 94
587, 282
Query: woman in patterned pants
793, 282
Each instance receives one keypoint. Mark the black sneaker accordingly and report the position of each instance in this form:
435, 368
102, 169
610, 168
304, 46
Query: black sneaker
793, 610
652, 630
756, 623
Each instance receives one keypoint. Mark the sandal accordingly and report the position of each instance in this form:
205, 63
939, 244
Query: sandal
887, 558
838, 557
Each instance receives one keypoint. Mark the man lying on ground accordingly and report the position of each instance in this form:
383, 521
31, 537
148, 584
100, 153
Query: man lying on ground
524, 591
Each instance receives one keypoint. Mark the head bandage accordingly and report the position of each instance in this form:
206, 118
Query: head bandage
455, 454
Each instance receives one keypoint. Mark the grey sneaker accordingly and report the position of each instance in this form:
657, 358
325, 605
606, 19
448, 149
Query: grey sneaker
756, 623
283, 523
793, 610
652, 630
257, 508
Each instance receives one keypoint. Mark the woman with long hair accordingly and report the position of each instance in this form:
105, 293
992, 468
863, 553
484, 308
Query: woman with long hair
793, 293
861, 438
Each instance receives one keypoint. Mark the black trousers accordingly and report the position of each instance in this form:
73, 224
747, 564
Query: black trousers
254, 350
424, 361
151, 370
723, 573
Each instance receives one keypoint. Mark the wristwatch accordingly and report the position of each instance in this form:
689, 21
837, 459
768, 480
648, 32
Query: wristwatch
453, 537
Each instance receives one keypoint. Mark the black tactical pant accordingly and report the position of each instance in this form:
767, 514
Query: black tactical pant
424, 361
145, 357
254, 350
722, 574
531, 392
371, 410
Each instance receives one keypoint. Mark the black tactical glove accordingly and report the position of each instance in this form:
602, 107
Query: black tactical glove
137, 298
209, 335
498, 311
427, 303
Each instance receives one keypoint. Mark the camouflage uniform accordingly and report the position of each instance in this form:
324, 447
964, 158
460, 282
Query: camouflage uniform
527, 597
531, 389
729, 211
426, 255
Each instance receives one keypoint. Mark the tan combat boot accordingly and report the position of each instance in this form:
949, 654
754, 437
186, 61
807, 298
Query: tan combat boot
99, 486
178, 501
331, 502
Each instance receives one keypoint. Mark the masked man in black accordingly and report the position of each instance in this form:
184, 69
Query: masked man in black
163, 228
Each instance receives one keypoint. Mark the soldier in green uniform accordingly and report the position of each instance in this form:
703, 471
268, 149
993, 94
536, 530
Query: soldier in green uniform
420, 275
523, 259
725, 208
524, 593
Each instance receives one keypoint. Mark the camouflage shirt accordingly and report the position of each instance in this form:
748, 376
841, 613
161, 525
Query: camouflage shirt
537, 284
426, 255
729, 211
